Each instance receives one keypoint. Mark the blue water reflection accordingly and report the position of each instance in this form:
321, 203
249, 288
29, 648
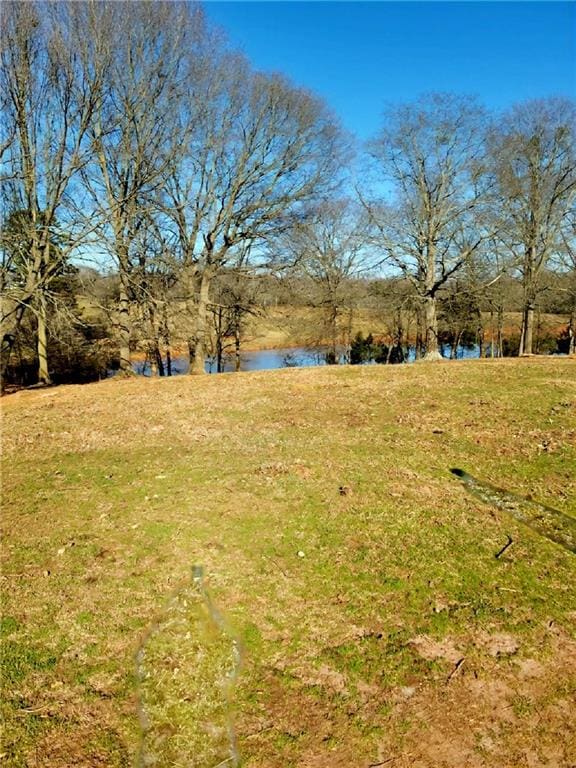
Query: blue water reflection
287, 357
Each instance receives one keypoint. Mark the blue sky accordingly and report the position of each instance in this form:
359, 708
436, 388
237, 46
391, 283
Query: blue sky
361, 55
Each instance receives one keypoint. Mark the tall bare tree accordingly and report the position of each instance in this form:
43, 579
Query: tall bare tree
48, 106
535, 158
430, 156
257, 150
134, 132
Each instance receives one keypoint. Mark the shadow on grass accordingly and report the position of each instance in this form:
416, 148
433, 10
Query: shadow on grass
546, 521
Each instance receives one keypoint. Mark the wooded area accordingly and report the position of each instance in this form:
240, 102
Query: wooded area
158, 192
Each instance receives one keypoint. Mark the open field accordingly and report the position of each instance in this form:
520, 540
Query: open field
377, 625
298, 326
287, 326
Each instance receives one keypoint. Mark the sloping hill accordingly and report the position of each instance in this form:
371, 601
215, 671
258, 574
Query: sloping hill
353, 569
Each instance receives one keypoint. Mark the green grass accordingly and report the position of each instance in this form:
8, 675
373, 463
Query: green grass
113, 491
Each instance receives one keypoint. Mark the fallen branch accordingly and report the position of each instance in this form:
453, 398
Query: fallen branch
509, 543
457, 666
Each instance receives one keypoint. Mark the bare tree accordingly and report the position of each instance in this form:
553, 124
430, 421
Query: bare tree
430, 157
328, 247
257, 150
535, 159
49, 104
235, 300
152, 280
134, 132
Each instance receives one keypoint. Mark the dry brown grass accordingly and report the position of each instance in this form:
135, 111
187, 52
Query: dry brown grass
112, 491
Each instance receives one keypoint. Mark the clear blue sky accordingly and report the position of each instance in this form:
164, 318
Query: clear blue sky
361, 55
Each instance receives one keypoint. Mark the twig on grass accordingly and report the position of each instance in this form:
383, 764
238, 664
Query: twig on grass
282, 571
33, 710
509, 543
457, 666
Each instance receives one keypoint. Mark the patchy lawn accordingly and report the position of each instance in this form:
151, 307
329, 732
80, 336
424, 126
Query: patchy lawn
353, 569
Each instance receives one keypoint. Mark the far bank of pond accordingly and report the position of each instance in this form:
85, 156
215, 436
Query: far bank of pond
286, 357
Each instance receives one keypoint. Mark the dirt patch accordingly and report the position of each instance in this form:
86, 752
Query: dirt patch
432, 649
470, 721
500, 644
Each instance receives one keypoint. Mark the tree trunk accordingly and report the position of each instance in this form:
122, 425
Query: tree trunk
5, 352
527, 333
42, 346
432, 345
492, 334
190, 286
219, 341
418, 344
499, 338
237, 347
349, 336
454, 346
389, 354
538, 331
158, 360
527, 330
572, 332
164, 335
124, 325
333, 324
198, 341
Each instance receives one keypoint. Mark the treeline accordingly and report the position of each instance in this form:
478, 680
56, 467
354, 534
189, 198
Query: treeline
143, 145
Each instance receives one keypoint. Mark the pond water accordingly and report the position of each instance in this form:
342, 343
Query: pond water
286, 357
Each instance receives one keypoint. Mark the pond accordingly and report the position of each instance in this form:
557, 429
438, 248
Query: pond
285, 357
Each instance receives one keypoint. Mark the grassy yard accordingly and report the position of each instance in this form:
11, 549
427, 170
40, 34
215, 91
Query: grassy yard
357, 574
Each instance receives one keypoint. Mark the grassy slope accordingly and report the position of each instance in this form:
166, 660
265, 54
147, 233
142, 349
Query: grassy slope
111, 492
